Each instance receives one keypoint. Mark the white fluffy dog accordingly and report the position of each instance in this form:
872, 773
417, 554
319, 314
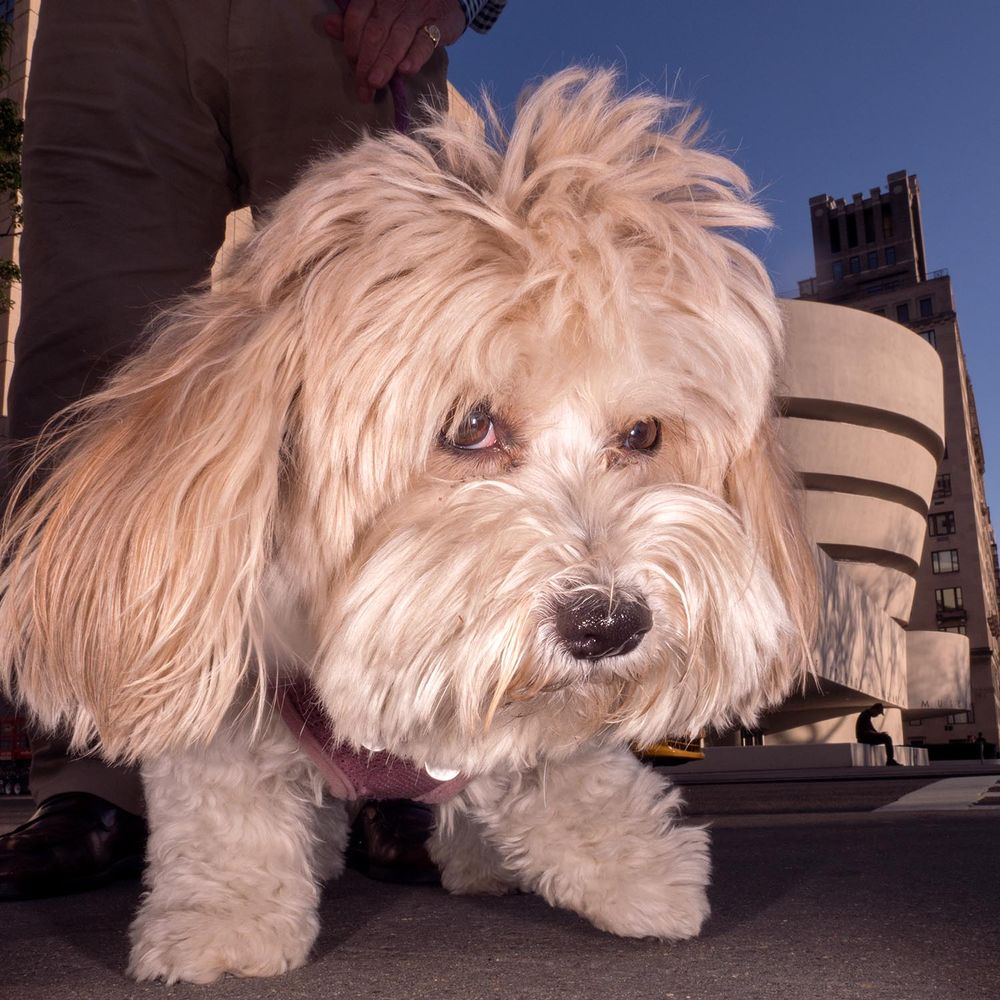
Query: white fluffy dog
476, 441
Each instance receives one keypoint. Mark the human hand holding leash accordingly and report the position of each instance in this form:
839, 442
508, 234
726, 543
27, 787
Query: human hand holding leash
383, 37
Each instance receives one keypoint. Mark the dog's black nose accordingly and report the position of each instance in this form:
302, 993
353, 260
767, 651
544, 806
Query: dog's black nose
592, 627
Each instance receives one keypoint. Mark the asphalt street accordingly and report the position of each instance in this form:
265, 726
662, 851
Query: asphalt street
817, 892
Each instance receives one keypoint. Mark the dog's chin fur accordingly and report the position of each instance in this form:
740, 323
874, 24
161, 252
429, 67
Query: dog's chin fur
274, 486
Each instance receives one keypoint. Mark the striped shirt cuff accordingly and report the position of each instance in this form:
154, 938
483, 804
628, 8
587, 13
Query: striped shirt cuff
481, 15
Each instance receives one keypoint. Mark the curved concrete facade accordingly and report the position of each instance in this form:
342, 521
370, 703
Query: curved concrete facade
858, 646
831, 452
890, 590
852, 520
864, 427
842, 360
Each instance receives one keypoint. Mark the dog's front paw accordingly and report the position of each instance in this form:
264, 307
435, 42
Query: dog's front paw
199, 946
669, 911
663, 896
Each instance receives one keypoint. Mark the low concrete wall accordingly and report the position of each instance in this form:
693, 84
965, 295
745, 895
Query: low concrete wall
803, 755
839, 726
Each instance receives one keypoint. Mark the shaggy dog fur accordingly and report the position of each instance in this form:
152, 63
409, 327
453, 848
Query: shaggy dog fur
449, 397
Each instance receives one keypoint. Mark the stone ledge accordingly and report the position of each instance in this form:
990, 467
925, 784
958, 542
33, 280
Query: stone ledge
804, 755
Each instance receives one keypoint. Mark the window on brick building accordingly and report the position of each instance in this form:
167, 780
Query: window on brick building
927, 307
869, 220
930, 336
903, 312
941, 524
948, 598
886, 221
872, 259
834, 235
890, 255
945, 561
852, 230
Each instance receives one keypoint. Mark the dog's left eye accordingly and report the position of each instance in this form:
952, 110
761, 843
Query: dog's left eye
643, 435
475, 432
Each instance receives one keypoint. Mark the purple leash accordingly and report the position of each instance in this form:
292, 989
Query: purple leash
400, 103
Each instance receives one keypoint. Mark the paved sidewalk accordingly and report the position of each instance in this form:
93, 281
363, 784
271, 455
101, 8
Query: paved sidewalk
817, 893
950, 793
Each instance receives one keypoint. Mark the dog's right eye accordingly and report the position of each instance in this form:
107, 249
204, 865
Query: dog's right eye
475, 432
643, 435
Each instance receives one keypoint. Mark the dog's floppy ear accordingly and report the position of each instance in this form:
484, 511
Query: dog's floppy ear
764, 491
133, 572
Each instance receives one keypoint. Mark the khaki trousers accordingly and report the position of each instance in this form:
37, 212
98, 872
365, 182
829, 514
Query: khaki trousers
148, 122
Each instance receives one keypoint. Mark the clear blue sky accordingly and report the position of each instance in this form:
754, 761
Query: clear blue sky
811, 98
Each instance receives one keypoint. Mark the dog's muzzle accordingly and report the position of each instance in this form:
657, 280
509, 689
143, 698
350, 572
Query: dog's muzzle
595, 626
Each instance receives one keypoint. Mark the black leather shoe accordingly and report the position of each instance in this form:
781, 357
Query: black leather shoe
389, 842
72, 843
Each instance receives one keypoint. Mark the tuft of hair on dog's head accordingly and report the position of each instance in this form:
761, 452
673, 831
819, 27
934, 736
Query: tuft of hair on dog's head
240, 462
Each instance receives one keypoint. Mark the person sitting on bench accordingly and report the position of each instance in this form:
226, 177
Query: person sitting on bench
865, 732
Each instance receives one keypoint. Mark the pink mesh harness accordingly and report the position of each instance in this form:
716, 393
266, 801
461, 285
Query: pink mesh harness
350, 774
